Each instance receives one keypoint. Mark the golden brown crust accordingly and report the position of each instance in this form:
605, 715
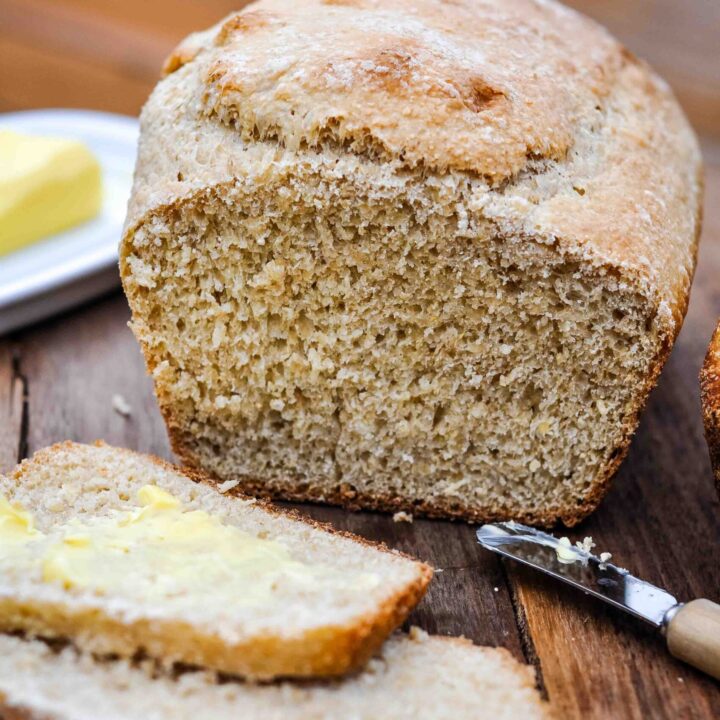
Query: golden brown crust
11, 713
414, 77
323, 652
185, 52
610, 131
434, 507
710, 397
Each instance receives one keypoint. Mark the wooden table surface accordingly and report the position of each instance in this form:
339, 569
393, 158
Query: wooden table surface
661, 517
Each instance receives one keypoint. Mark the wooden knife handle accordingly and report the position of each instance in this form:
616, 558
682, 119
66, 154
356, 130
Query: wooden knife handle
693, 635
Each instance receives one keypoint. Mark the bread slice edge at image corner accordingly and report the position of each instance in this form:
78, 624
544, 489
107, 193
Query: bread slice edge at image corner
414, 676
710, 399
322, 650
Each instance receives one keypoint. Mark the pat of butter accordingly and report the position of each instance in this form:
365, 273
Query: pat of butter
46, 185
159, 551
566, 553
16, 525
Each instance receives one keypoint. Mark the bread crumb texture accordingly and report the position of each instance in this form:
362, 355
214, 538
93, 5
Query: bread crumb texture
415, 677
428, 261
121, 406
402, 516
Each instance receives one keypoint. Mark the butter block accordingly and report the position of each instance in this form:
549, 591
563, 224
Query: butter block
47, 185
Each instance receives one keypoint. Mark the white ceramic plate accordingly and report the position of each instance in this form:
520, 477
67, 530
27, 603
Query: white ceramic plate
78, 264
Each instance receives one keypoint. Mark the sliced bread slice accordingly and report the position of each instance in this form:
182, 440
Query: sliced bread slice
710, 395
121, 553
416, 677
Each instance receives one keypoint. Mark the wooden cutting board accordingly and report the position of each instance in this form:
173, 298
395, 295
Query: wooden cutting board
662, 517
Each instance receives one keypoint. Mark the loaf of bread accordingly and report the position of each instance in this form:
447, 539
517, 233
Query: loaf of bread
415, 678
122, 553
410, 255
710, 395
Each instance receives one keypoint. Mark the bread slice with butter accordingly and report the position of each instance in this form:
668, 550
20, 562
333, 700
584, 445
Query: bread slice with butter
122, 553
415, 677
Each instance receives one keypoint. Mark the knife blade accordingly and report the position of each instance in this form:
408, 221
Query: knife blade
581, 569
692, 630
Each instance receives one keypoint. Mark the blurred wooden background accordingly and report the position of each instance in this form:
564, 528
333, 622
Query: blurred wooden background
662, 516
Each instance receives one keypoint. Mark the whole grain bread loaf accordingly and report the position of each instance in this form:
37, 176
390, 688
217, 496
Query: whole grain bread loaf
410, 255
710, 396
416, 677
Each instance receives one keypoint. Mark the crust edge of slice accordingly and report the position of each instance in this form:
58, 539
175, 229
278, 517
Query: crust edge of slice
710, 397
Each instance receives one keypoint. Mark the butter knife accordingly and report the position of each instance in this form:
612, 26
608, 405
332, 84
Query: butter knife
691, 630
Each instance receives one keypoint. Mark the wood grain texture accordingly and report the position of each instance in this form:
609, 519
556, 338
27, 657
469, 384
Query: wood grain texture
468, 595
660, 520
13, 411
96, 54
73, 368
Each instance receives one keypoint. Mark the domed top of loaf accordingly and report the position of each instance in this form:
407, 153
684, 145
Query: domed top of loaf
482, 86
478, 85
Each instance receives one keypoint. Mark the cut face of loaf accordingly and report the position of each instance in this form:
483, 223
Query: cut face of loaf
352, 288
415, 677
122, 553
